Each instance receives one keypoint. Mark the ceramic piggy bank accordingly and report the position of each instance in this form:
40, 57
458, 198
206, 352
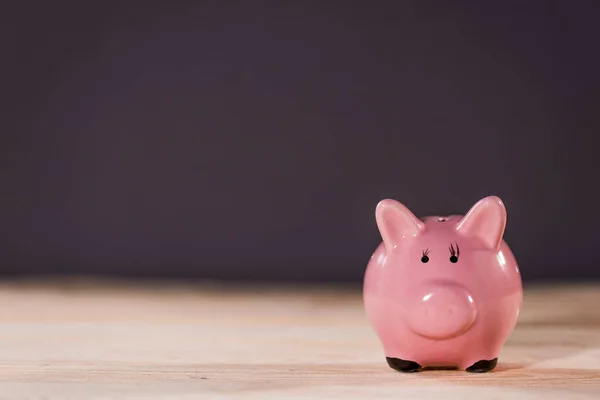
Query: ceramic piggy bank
442, 291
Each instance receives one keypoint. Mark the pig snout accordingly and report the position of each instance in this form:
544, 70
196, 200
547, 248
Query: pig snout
441, 311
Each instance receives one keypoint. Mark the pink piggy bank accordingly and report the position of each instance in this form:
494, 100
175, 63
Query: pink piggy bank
442, 291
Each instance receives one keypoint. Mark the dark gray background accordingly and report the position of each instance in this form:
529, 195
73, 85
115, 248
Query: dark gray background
252, 140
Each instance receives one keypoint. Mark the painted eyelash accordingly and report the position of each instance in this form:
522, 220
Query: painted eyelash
454, 252
426, 252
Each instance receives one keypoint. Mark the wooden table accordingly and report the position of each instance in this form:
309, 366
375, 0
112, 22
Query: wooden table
114, 341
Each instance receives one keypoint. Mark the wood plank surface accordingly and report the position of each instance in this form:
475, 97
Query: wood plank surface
118, 341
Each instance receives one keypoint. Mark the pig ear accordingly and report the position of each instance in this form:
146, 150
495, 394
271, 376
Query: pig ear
485, 220
396, 222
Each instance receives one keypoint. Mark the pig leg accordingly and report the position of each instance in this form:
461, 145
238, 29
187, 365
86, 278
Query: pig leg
483, 365
402, 365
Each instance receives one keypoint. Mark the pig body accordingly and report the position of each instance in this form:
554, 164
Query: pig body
442, 291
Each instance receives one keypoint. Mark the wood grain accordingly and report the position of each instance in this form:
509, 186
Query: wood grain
116, 341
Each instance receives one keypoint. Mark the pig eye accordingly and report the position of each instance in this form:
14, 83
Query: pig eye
454, 253
425, 258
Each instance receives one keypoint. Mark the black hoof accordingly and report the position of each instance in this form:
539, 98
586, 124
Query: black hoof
483, 366
402, 365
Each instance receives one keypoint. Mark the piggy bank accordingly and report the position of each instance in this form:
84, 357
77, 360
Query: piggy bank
442, 291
